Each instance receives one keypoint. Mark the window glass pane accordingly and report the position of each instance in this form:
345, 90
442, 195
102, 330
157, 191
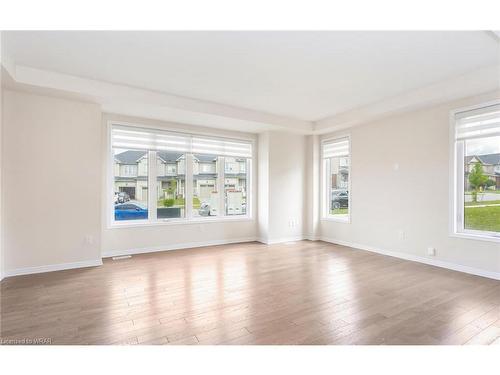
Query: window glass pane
339, 184
130, 185
482, 184
205, 178
235, 186
170, 184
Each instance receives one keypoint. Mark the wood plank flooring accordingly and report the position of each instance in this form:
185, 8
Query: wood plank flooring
295, 293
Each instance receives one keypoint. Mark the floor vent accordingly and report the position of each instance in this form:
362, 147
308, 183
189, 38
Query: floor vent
122, 257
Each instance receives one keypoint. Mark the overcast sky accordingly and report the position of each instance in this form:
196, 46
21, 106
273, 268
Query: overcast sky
483, 146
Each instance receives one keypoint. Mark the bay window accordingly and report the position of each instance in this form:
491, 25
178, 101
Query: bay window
160, 176
476, 170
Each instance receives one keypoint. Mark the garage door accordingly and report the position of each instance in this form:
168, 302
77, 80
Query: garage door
130, 190
206, 192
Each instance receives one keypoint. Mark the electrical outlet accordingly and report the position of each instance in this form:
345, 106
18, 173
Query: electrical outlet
402, 235
89, 239
431, 251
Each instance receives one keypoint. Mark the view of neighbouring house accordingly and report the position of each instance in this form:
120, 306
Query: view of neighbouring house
131, 171
491, 168
483, 211
339, 169
131, 174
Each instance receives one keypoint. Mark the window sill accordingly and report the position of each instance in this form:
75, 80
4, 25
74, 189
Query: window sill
344, 219
478, 237
178, 222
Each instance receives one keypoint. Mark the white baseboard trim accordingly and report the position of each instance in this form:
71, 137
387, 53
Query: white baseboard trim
186, 245
312, 238
52, 267
419, 259
272, 241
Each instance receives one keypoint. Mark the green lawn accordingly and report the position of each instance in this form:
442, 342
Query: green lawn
180, 202
483, 218
480, 203
340, 211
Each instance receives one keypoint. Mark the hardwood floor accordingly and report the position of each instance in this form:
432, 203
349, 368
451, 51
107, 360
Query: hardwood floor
298, 293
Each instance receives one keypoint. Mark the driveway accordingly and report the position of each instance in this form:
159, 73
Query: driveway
483, 197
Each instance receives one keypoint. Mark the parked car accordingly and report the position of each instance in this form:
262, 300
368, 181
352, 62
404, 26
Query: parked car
130, 211
204, 209
340, 199
121, 197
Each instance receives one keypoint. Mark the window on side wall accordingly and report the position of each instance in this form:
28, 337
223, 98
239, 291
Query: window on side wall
336, 179
476, 185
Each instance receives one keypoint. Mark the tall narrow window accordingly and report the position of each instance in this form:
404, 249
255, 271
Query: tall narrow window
336, 178
477, 174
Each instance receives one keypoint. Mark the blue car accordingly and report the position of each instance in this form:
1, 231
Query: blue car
130, 211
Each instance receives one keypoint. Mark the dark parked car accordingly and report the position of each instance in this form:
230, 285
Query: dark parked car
130, 211
340, 199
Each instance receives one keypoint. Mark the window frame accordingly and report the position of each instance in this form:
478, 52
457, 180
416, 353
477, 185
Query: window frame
457, 183
152, 184
326, 184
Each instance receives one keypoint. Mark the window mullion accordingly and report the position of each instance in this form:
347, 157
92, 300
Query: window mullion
221, 182
249, 187
328, 187
188, 186
324, 188
152, 186
460, 187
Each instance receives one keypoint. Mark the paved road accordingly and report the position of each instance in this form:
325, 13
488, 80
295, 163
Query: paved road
483, 197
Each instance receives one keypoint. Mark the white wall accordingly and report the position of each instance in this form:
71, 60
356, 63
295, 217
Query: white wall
171, 236
51, 182
1, 190
1, 131
283, 206
413, 199
263, 187
312, 178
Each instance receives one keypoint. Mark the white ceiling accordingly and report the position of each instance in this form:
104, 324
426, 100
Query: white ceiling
300, 75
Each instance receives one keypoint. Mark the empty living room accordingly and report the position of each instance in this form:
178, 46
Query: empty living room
204, 192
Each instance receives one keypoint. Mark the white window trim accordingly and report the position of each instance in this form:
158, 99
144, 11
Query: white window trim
152, 181
325, 200
456, 184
